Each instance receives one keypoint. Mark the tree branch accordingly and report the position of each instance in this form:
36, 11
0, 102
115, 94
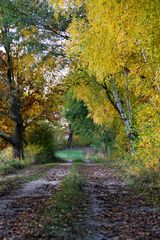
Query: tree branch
6, 137
38, 24
109, 95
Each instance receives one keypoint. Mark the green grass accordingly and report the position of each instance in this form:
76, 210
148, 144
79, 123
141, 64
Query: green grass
61, 209
75, 155
11, 166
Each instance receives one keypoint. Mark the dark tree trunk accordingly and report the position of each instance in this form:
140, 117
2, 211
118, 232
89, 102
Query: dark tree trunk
15, 108
70, 137
16, 141
18, 151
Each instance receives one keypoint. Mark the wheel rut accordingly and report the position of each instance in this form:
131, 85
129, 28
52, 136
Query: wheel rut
116, 211
19, 211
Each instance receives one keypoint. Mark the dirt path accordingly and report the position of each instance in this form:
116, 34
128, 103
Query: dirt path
116, 212
19, 211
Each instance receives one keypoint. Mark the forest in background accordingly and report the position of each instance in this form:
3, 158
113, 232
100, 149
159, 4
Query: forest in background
93, 63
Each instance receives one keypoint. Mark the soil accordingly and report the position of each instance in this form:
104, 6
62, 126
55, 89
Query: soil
114, 211
19, 211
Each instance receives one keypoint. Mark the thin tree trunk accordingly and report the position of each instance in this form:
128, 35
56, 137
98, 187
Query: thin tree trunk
70, 137
122, 112
128, 103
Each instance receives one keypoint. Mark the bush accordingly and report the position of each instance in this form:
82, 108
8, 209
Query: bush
32, 151
8, 164
6, 168
138, 173
42, 143
16, 164
6, 155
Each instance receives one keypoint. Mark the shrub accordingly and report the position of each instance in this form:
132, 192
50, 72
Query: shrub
42, 142
16, 164
32, 150
6, 168
8, 164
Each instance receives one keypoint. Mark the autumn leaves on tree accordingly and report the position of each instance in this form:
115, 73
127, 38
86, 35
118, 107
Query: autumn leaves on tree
117, 44
113, 64
29, 53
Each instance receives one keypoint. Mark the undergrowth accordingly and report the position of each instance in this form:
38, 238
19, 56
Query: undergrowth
10, 166
142, 176
144, 180
61, 209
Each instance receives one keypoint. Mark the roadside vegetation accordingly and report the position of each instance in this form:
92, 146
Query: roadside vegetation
40, 149
9, 165
62, 218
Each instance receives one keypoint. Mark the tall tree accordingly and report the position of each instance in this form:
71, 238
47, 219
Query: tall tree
31, 39
117, 42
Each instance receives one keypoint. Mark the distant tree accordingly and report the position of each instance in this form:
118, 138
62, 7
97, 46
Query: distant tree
82, 125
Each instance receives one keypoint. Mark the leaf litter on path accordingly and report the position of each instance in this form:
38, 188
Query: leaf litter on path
117, 212
112, 210
20, 210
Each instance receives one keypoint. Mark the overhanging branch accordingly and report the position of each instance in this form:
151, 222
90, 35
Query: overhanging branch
6, 137
109, 95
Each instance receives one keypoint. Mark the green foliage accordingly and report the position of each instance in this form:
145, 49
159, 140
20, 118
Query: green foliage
32, 150
77, 114
15, 164
42, 141
8, 164
117, 43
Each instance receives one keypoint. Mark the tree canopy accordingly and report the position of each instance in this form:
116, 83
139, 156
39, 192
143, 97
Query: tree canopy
116, 42
111, 51
31, 42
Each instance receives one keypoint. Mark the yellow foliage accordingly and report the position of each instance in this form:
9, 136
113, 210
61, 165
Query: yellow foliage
122, 35
28, 32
